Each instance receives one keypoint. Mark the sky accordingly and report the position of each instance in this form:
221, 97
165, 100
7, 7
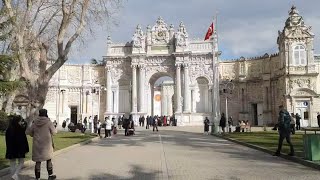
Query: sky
246, 28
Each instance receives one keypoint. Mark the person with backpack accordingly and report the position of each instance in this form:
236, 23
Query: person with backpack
284, 130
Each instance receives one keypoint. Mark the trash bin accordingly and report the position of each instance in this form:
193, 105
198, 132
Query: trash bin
311, 145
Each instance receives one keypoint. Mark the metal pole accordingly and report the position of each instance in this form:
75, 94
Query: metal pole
92, 118
100, 89
227, 113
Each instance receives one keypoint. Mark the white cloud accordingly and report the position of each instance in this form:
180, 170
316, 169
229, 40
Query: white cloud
246, 28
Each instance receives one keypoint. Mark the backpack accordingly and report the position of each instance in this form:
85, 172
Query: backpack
285, 124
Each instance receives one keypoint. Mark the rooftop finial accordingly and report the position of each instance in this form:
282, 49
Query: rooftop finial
293, 11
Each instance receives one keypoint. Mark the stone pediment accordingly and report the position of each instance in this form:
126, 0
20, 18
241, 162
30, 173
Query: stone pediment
304, 92
160, 32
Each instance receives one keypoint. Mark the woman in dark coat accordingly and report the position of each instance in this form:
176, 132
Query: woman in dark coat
223, 122
17, 144
206, 126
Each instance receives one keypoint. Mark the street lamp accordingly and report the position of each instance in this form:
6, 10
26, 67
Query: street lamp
228, 87
93, 91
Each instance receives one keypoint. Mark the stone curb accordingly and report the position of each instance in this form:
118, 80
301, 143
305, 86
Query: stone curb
30, 163
284, 156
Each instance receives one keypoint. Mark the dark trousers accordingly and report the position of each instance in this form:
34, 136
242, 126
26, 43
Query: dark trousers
126, 131
37, 168
107, 133
298, 126
147, 126
284, 135
293, 129
99, 131
155, 127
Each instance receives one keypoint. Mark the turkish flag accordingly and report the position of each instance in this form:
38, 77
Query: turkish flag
209, 32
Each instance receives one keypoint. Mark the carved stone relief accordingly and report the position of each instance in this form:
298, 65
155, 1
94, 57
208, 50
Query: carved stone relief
73, 97
74, 75
200, 70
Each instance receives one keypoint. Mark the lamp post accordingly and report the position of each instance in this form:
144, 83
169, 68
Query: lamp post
227, 89
181, 117
93, 90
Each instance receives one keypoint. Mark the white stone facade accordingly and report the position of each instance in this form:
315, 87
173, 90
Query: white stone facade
125, 84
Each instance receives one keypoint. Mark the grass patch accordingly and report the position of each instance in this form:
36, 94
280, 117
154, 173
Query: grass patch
269, 140
61, 141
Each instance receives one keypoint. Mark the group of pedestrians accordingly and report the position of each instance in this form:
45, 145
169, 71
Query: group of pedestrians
42, 130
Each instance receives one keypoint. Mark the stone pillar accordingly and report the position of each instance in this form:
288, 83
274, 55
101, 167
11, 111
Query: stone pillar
193, 101
187, 98
141, 88
134, 89
109, 90
178, 87
116, 100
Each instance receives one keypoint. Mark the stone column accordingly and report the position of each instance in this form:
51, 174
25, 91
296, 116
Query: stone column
109, 90
187, 98
134, 88
193, 101
178, 87
116, 100
141, 88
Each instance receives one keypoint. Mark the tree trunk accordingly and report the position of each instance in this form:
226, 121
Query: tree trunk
37, 92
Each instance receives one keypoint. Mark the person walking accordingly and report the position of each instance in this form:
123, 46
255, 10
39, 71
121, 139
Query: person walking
42, 131
16, 145
222, 123
119, 122
318, 118
293, 124
147, 122
108, 128
155, 123
142, 120
298, 118
230, 123
99, 128
114, 126
284, 130
206, 126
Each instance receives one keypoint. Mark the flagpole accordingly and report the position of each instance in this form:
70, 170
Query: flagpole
215, 89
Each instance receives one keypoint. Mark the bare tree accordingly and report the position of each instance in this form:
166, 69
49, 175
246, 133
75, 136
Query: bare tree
47, 29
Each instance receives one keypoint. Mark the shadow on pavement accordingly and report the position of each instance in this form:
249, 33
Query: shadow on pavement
137, 173
194, 141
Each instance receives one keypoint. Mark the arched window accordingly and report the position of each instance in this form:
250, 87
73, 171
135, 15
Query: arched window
299, 55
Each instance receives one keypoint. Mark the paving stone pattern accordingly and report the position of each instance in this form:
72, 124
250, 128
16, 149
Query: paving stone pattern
179, 153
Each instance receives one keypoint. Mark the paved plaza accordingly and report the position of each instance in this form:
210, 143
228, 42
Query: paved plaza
172, 153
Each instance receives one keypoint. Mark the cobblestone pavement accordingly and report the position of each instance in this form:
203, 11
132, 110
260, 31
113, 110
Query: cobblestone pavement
172, 153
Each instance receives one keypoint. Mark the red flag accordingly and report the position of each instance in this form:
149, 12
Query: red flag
209, 32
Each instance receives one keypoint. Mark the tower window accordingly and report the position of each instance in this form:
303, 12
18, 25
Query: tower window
299, 55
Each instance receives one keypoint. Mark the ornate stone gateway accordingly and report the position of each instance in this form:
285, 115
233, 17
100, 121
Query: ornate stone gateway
133, 68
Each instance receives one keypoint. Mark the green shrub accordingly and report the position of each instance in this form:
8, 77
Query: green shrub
4, 121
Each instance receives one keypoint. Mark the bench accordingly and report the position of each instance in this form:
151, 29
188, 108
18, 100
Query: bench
315, 129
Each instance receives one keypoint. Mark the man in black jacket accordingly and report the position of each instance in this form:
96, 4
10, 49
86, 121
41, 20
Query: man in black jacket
284, 130
298, 118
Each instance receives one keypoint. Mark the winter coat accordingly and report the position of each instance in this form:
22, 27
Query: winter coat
109, 124
42, 130
222, 121
284, 121
16, 142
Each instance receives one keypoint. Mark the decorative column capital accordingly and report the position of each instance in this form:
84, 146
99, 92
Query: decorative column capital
108, 68
185, 66
141, 66
134, 66
178, 66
